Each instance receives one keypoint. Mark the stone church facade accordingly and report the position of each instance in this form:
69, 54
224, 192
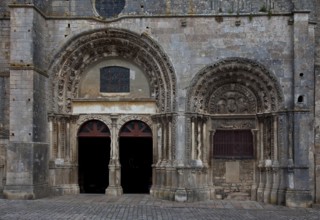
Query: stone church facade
185, 100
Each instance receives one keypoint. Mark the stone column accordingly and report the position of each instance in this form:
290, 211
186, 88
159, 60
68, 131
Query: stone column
28, 150
180, 193
155, 154
268, 184
199, 142
255, 173
114, 188
275, 165
193, 140
261, 184
206, 142
283, 147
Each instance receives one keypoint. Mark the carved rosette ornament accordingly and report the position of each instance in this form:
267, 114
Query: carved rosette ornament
234, 86
72, 60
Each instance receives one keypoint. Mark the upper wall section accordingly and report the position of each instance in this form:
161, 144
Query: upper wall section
4, 9
43, 5
106, 9
4, 46
167, 7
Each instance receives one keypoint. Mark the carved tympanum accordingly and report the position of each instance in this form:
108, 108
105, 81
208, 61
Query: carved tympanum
232, 99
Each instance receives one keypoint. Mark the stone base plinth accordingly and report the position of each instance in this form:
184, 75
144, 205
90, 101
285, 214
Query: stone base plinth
114, 191
25, 192
297, 198
66, 189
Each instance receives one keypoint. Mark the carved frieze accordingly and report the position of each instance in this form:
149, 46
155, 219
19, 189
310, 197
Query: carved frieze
233, 124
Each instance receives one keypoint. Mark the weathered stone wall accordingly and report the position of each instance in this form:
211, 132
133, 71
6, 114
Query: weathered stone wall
27, 151
174, 7
249, 29
234, 178
4, 45
39, 33
4, 127
201, 42
317, 100
4, 9
4, 88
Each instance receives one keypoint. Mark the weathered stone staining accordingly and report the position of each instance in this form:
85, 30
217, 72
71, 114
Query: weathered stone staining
191, 71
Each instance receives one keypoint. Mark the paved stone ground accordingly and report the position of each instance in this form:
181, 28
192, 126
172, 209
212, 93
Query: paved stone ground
144, 207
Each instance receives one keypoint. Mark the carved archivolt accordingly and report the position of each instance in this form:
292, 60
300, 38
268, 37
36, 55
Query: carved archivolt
74, 58
234, 86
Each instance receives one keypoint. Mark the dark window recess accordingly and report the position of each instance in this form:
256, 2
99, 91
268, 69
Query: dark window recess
114, 79
233, 144
109, 8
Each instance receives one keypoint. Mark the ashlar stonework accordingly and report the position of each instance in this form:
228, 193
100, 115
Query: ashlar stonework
220, 99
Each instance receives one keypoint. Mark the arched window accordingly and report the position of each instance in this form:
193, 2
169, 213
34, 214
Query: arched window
114, 79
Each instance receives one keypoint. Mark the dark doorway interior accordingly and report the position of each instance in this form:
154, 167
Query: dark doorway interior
94, 156
136, 161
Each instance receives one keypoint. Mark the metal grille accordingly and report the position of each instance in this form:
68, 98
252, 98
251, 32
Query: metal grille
114, 79
135, 129
94, 128
233, 144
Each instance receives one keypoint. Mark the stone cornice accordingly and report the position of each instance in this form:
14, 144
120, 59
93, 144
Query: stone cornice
5, 74
14, 66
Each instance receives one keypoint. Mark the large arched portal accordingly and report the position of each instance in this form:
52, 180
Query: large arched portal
109, 74
237, 103
93, 157
136, 157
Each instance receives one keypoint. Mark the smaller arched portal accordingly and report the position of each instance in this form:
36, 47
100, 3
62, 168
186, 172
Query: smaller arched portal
93, 157
136, 157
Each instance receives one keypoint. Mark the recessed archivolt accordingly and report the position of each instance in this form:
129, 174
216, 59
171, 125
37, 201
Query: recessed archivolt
71, 62
238, 75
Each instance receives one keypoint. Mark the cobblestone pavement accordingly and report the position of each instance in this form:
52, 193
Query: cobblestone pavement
133, 206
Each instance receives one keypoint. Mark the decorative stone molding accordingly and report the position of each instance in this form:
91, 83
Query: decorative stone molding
81, 51
234, 124
234, 85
